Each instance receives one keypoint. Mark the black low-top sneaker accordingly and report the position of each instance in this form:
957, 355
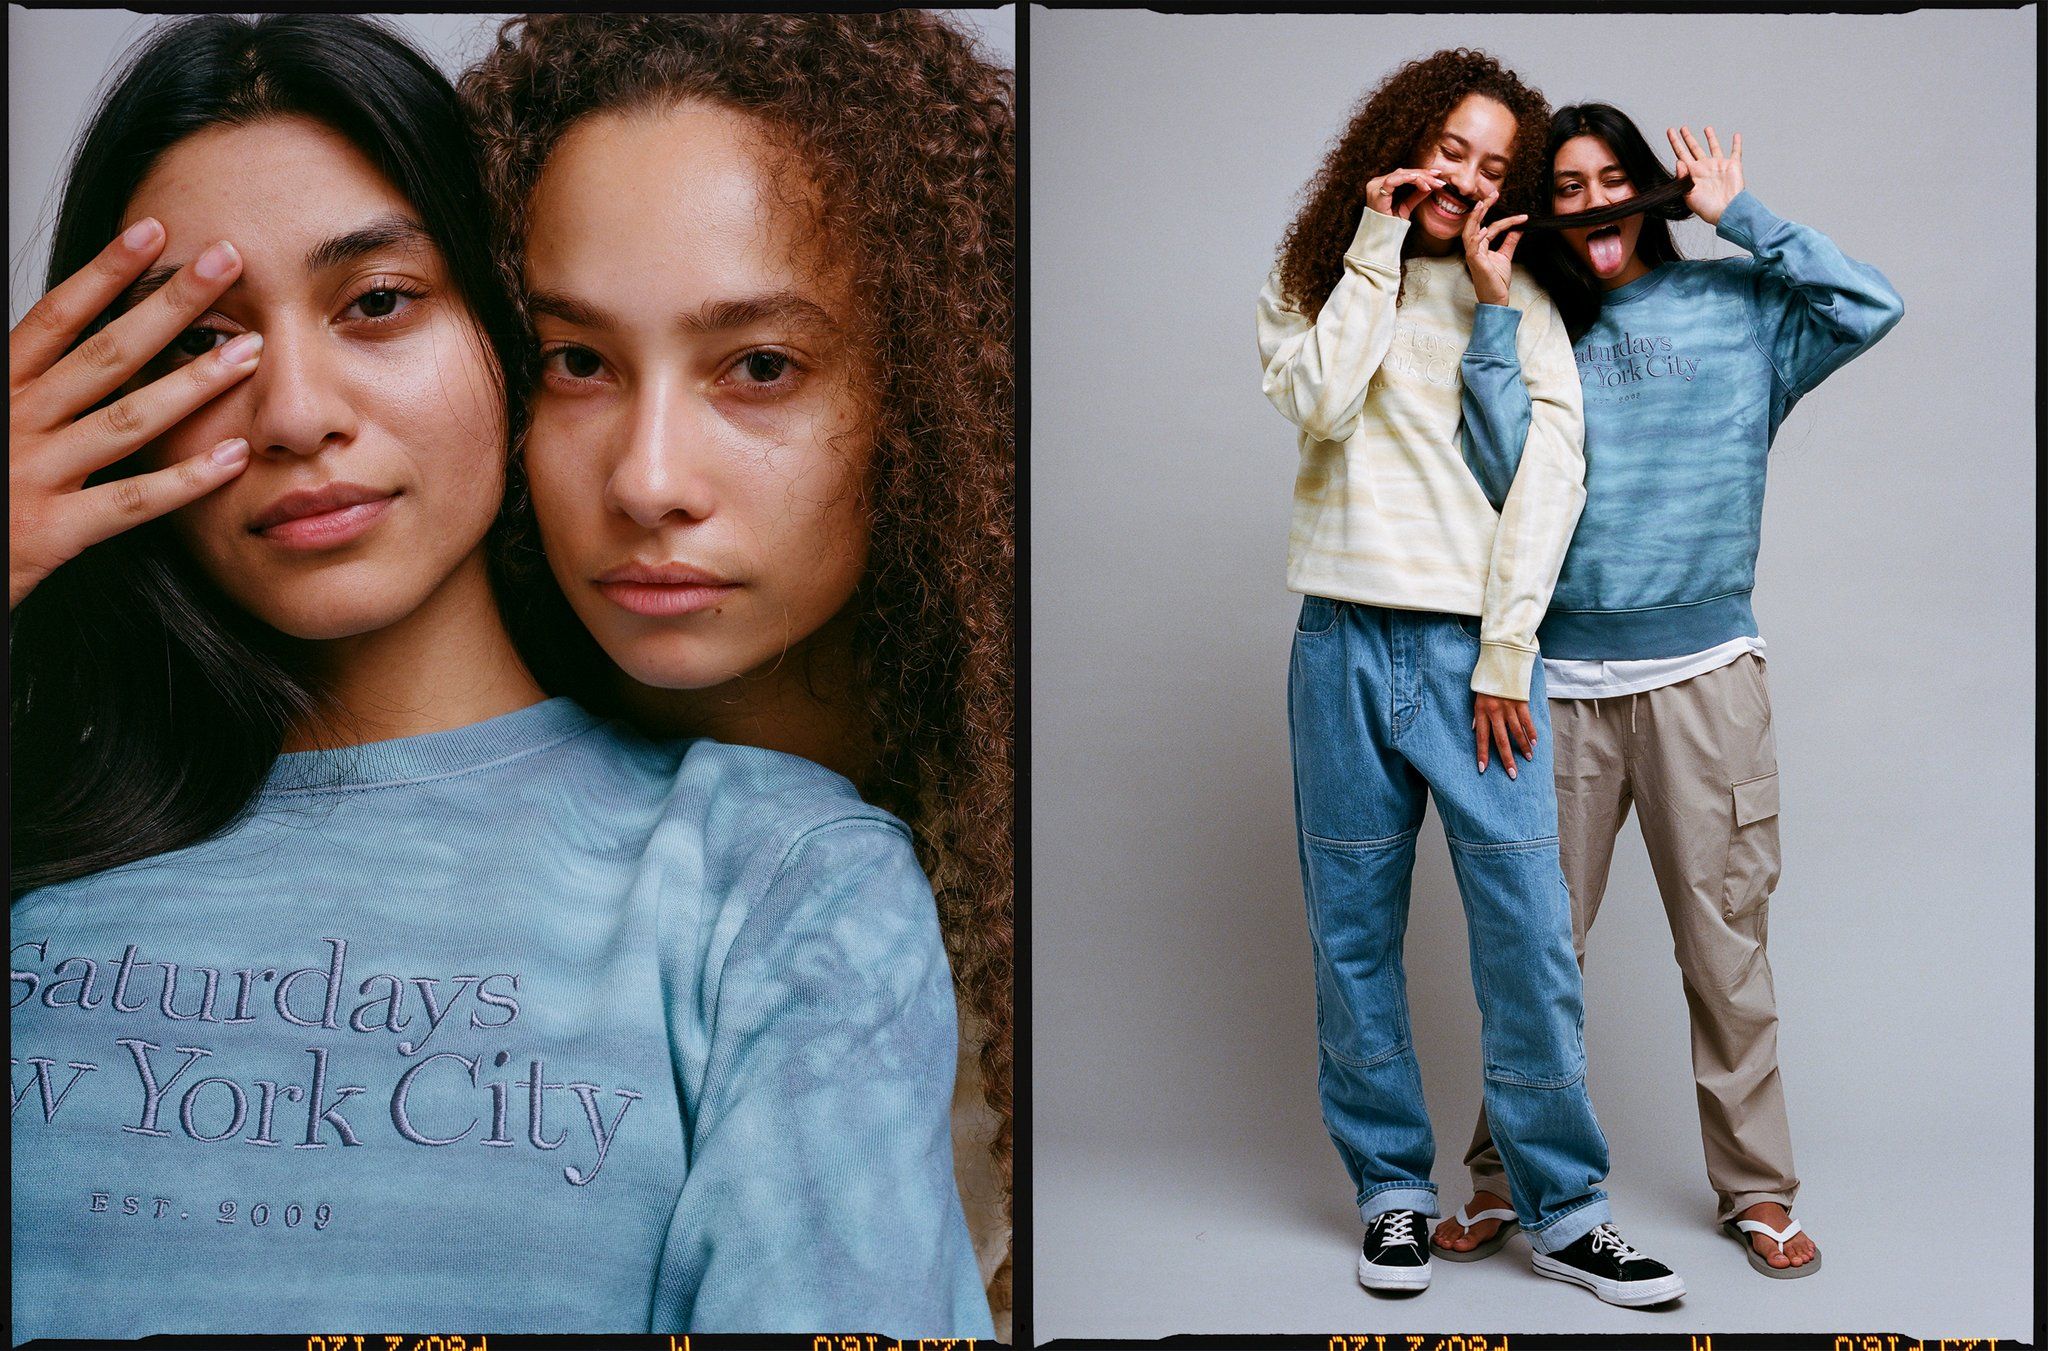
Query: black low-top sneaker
1602, 1262
1395, 1255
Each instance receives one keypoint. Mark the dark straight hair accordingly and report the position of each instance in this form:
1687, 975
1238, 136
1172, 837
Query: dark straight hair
1659, 200
147, 707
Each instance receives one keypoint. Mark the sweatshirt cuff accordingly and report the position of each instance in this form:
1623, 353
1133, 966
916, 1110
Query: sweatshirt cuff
1745, 221
1503, 672
1378, 240
1493, 331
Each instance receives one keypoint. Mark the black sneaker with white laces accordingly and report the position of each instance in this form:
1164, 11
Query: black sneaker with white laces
1602, 1262
1395, 1255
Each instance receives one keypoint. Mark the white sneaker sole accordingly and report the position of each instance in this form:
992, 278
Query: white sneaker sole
1628, 1294
1373, 1276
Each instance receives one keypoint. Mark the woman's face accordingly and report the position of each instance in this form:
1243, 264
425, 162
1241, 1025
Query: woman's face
698, 453
375, 425
1471, 153
1585, 176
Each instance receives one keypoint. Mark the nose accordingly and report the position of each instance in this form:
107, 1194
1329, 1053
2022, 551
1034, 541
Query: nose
302, 403
660, 478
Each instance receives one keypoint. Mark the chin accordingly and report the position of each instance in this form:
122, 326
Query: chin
325, 619
674, 662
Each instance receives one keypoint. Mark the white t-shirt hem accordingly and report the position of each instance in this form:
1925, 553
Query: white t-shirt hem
1565, 679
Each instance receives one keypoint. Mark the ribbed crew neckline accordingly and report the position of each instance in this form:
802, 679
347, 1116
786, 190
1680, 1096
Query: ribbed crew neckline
1641, 286
412, 759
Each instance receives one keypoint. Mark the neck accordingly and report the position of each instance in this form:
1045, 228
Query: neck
448, 664
806, 702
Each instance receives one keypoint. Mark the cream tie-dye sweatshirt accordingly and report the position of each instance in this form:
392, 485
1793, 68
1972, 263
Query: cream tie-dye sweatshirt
1387, 510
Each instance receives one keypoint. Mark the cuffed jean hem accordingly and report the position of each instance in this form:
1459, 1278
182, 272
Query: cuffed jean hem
1571, 1226
1742, 1201
1398, 1196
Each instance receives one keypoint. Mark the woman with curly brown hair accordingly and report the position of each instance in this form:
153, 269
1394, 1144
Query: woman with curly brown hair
768, 261
1425, 572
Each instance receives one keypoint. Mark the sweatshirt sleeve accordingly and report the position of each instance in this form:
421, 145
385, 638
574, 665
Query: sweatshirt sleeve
1816, 307
820, 1194
1542, 507
1317, 371
1494, 402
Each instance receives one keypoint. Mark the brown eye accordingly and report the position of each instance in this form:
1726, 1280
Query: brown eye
765, 367
193, 342
382, 302
578, 363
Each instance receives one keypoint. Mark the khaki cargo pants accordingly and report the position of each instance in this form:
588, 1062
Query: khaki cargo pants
1698, 763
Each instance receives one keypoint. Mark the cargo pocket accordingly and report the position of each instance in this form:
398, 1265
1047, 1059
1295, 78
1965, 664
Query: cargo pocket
1753, 845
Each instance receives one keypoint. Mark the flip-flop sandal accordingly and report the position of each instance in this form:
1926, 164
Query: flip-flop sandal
1740, 1230
1509, 1227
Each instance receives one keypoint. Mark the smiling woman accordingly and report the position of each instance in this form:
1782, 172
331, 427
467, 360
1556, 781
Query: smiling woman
329, 927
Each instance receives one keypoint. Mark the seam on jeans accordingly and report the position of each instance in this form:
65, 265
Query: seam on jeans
1378, 1187
1592, 1200
1524, 1081
1368, 1063
1383, 842
1498, 847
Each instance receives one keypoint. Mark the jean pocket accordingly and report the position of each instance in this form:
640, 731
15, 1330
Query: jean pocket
1469, 626
1753, 858
1318, 615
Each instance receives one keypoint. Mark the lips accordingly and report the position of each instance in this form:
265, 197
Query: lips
1452, 206
324, 517
663, 590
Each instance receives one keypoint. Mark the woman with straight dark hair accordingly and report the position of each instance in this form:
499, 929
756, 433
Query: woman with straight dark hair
357, 983
1652, 652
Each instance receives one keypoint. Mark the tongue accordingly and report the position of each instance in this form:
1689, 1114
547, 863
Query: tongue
1605, 251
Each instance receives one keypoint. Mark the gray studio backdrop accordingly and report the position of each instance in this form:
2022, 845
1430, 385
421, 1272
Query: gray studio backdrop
57, 62
1182, 1178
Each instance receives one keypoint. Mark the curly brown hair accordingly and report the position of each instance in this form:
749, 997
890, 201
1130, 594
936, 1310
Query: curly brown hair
907, 133
1390, 128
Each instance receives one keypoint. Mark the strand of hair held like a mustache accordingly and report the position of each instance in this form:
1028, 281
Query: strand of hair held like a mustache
1666, 199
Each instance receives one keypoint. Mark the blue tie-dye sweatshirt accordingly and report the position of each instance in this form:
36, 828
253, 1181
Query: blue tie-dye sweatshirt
1687, 374
528, 1026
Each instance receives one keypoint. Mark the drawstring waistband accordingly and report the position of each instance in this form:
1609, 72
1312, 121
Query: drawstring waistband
1631, 710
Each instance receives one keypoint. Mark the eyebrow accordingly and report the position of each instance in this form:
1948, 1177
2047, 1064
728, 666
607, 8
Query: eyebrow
714, 316
1464, 144
386, 232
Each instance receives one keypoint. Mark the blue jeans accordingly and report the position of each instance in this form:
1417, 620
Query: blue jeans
1380, 709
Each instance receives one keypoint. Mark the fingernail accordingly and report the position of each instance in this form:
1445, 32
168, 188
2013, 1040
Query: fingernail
142, 234
231, 452
242, 349
216, 262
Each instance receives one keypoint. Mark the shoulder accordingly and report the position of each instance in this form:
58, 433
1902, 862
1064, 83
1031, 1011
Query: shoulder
767, 797
1735, 274
750, 816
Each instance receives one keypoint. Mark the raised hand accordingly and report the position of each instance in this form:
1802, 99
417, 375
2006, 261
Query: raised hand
1410, 184
1490, 267
1716, 178
56, 439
